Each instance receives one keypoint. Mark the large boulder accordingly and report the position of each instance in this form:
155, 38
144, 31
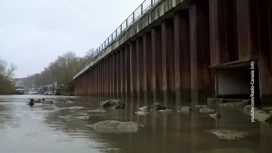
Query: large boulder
113, 103
157, 106
111, 126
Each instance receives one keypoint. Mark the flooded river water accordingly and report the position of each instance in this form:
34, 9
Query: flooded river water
62, 128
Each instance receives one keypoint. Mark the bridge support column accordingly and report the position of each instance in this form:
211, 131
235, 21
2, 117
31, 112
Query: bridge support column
168, 65
122, 64
247, 36
223, 35
103, 80
181, 55
88, 83
127, 71
147, 66
111, 75
139, 67
93, 81
133, 70
99, 79
156, 63
265, 50
199, 52
117, 74
107, 78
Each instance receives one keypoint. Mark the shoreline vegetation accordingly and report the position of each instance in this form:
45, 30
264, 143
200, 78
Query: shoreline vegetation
6, 78
61, 70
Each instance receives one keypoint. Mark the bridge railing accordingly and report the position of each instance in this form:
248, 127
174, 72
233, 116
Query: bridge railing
132, 18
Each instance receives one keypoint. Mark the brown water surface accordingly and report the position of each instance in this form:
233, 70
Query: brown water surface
61, 128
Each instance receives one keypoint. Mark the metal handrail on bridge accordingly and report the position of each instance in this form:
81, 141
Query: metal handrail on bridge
132, 18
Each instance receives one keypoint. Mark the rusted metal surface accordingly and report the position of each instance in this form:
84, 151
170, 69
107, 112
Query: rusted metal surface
182, 52
147, 68
178, 58
156, 63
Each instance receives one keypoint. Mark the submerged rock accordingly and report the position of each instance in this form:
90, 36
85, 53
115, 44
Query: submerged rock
263, 116
228, 150
157, 106
75, 107
229, 105
206, 110
166, 111
228, 134
142, 113
259, 114
82, 117
243, 103
144, 108
97, 111
215, 115
214, 101
200, 106
111, 126
113, 103
184, 109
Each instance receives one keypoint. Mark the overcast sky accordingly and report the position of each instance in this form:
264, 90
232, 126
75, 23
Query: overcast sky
35, 32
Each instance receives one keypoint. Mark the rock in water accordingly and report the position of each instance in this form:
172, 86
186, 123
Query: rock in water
243, 103
200, 106
142, 113
157, 106
206, 110
144, 108
229, 150
215, 115
184, 109
112, 103
111, 126
166, 111
228, 134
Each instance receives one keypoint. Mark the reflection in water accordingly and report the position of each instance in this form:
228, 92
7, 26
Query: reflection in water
62, 128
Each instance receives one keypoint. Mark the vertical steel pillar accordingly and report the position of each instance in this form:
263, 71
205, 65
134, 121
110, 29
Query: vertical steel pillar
147, 66
168, 60
133, 69
247, 36
122, 68
200, 52
265, 50
127, 72
111, 76
156, 63
139, 67
181, 55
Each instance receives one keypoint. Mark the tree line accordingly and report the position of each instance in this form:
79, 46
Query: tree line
61, 70
6, 77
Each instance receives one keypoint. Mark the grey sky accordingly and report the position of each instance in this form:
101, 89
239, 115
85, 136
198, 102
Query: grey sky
35, 32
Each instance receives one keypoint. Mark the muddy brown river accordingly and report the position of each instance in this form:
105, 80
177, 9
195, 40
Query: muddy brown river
62, 128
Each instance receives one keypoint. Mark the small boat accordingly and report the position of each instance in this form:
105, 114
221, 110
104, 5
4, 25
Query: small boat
47, 101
